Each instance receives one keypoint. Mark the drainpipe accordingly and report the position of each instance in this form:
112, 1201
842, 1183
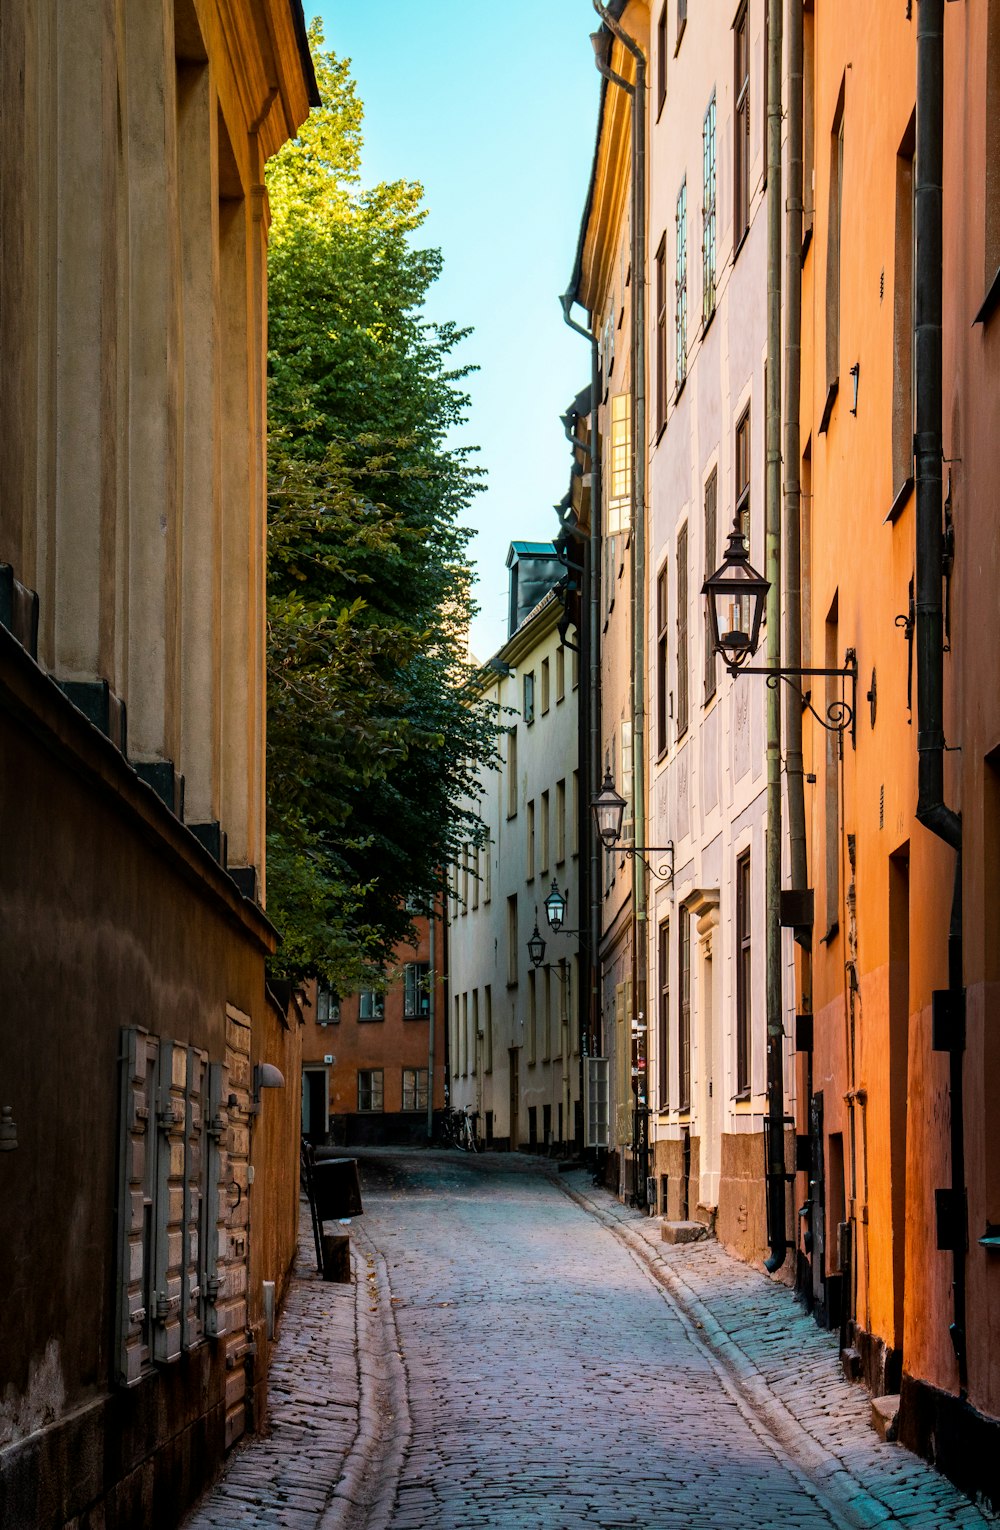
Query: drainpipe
431, 1015
932, 810
794, 785
590, 722
637, 92
776, 1182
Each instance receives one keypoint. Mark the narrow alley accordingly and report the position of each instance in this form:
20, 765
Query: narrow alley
530, 1356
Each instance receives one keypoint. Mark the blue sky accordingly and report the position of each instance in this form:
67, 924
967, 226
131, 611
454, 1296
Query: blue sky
493, 108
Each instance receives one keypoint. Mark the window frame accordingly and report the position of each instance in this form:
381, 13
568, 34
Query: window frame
684, 1012
416, 1090
375, 1002
709, 239
661, 334
416, 990
711, 523
681, 289
683, 694
744, 975
741, 126
371, 1074
663, 1014
742, 498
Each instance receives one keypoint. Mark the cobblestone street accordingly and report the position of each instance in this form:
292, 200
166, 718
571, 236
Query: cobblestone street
529, 1354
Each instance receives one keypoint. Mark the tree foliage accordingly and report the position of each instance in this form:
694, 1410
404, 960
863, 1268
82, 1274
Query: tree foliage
374, 732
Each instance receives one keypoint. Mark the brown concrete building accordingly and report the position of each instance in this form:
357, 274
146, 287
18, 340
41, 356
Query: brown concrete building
148, 1173
900, 551
367, 1057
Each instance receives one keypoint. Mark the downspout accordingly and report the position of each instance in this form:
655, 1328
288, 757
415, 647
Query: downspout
932, 810
431, 1015
775, 1167
794, 783
590, 723
637, 91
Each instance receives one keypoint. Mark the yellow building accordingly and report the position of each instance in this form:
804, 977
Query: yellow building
148, 1175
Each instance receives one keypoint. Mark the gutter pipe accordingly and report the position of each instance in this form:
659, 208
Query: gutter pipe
775, 1163
637, 92
590, 718
932, 810
794, 777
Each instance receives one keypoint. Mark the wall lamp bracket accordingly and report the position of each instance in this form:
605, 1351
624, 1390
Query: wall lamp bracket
840, 714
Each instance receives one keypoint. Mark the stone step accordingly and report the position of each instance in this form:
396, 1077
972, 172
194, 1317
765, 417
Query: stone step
682, 1232
885, 1416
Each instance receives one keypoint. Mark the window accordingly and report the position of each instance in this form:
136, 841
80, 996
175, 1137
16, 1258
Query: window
741, 123
488, 871
560, 822
546, 1014
682, 21
574, 668
628, 818
327, 1006
711, 552
833, 261
684, 1013
662, 606
512, 940
531, 1036
529, 871
661, 59
463, 1040
663, 1016
744, 988
465, 879
708, 213
682, 631
475, 876
369, 1089
560, 674
511, 772
545, 686
543, 860
681, 286
743, 475
414, 1088
661, 334
529, 697
619, 502
416, 991
902, 319
488, 1029
832, 780
575, 806
474, 1034
371, 1005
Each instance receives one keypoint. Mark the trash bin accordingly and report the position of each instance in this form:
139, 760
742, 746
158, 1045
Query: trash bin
336, 1187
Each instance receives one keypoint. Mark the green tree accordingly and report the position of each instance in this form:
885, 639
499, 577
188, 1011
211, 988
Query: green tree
374, 733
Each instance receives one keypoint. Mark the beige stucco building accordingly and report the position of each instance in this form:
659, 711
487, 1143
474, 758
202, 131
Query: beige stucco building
514, 1046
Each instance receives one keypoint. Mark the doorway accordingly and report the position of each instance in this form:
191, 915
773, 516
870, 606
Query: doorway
515, 1096
315, 1104
899, 1034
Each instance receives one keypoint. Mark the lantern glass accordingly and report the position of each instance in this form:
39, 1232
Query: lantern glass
736, 595
555, 908
609, 812
536, 947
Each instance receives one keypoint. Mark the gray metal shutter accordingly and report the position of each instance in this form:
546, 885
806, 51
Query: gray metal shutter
192, 1305
137, 1143
168, 1241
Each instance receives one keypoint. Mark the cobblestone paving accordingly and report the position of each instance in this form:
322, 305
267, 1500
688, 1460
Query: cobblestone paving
562, 1368
288, 1476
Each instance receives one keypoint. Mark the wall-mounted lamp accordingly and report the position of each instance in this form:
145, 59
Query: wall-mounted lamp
609, 815
855, 376
736, 596
266, 1076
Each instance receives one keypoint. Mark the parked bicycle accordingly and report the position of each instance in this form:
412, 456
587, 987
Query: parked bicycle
457, 1130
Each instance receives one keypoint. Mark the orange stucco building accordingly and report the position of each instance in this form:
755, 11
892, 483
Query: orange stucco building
904, 1180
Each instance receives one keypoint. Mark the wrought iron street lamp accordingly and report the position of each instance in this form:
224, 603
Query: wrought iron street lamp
555, 908
736, 595
609, 815
536, 947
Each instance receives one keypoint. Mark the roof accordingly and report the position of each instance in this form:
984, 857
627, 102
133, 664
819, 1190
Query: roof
302, 38
615, 8
528, 549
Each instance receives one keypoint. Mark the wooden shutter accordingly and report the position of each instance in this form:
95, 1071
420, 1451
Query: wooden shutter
215, 1203
136, 1183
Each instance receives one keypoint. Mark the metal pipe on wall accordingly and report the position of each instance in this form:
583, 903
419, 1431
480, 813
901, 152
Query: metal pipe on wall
932, 810
776, 1181
637, 92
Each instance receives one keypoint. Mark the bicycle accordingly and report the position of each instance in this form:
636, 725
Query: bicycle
456, 1130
